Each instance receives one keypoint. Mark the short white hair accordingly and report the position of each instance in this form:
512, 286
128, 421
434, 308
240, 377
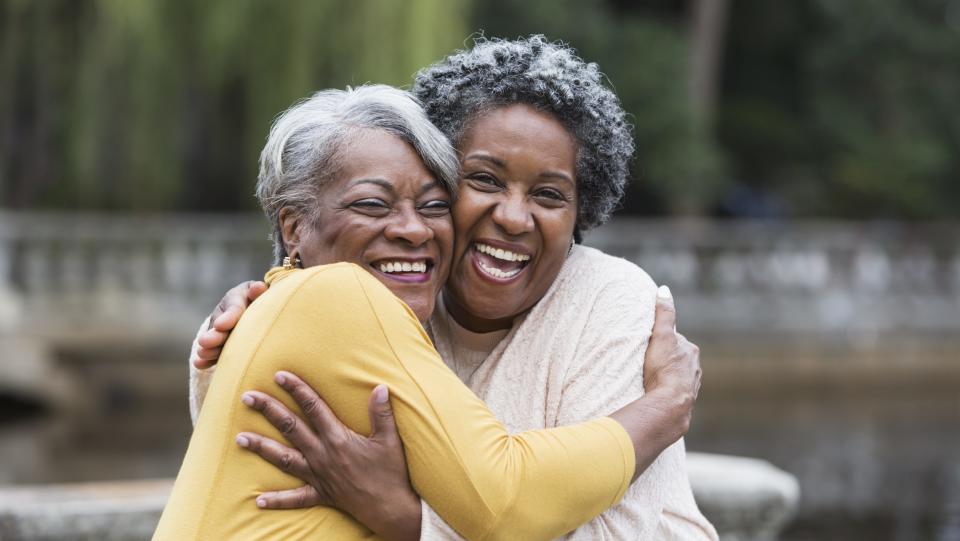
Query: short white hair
302, 150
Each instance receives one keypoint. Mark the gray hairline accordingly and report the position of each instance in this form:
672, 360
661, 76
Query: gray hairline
303, 149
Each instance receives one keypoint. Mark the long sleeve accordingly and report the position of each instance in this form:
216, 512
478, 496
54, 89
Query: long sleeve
607, 373
199, 380
344, 333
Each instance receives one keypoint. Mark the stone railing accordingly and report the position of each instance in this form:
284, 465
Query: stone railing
60, 273
846, 280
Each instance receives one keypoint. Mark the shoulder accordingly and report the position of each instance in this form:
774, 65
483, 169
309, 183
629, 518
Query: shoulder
598, 274
335, 279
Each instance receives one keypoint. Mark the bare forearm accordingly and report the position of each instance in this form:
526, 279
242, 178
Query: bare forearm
654, 422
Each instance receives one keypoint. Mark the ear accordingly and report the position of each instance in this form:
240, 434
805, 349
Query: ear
290, 230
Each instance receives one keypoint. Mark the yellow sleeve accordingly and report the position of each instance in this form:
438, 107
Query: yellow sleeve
343, 332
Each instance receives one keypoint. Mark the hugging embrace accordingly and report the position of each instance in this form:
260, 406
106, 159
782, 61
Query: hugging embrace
435, 355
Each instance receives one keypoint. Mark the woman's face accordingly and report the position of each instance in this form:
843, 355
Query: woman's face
386, 212
514, 217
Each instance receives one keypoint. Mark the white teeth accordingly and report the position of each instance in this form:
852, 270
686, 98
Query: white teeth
404, 266
497, 273
500, 253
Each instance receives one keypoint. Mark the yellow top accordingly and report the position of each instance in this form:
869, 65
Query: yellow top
344, 332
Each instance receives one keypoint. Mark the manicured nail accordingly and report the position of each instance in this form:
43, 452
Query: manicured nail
242, 441
280, 378
247, 399
663, 292
261, 503
381, 394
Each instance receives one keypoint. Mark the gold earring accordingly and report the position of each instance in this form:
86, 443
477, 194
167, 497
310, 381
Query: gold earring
291, 263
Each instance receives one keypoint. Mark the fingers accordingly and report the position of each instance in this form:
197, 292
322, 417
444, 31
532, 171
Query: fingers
314, 408
255, 289
206, 358
281, 456
282, 419
210, 344
665, 319
227, 313
381, 416
294, 498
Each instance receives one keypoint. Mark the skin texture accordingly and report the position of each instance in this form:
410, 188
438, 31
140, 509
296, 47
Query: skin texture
383, 205
518, 192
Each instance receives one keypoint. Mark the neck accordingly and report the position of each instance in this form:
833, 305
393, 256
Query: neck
472, 322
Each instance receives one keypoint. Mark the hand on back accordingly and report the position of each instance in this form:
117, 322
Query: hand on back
672, 363
223, 319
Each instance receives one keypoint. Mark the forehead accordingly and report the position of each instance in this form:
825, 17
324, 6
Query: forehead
377, 154
521, 132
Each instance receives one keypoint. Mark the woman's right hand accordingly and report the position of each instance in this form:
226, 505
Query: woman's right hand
223, 319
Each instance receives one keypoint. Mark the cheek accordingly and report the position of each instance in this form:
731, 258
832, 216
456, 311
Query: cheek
467, 210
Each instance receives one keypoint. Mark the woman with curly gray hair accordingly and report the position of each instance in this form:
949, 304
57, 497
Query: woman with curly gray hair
547, 332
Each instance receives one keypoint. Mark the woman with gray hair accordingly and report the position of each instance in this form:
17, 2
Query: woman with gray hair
360, 176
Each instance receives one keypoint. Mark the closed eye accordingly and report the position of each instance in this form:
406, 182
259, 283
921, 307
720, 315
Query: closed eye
436, 207
371, 205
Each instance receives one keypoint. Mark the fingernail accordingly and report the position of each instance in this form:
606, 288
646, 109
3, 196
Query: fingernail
261, 503
242, 441
247, 399
279, 378
381, 394
663, 292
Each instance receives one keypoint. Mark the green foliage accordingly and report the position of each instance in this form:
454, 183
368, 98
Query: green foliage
847, 108
644, 55
826, 108
165, 104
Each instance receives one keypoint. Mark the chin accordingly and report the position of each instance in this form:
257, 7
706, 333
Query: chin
422, 308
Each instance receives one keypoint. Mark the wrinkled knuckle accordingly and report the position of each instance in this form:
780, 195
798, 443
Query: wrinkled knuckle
310, 405
287, 425
286, 461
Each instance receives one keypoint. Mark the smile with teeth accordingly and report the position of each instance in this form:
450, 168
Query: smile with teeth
500, 253
500, 263
404, 266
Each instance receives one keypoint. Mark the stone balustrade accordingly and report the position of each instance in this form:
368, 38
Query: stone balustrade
839, 278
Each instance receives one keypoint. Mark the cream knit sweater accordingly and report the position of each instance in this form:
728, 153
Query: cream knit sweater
577, 355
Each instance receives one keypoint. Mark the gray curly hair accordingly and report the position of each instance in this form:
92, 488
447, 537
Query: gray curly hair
302, 150
550, 77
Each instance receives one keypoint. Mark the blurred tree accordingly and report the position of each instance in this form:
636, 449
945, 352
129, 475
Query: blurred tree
846, 108
156, 105
800, 108
643, 48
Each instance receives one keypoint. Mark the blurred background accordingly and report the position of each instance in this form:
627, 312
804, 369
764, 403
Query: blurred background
796, 184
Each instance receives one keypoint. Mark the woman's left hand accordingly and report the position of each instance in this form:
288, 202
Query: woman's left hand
365, 477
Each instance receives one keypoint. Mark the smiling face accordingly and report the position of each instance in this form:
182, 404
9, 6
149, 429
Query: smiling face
514, 216
384, 211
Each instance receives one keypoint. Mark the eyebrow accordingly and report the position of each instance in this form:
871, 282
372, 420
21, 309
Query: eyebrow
429, 185
500, 163
386, 185
377, 181
487, 158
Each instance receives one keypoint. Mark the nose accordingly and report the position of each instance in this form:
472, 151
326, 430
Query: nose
513, 216
408, 226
